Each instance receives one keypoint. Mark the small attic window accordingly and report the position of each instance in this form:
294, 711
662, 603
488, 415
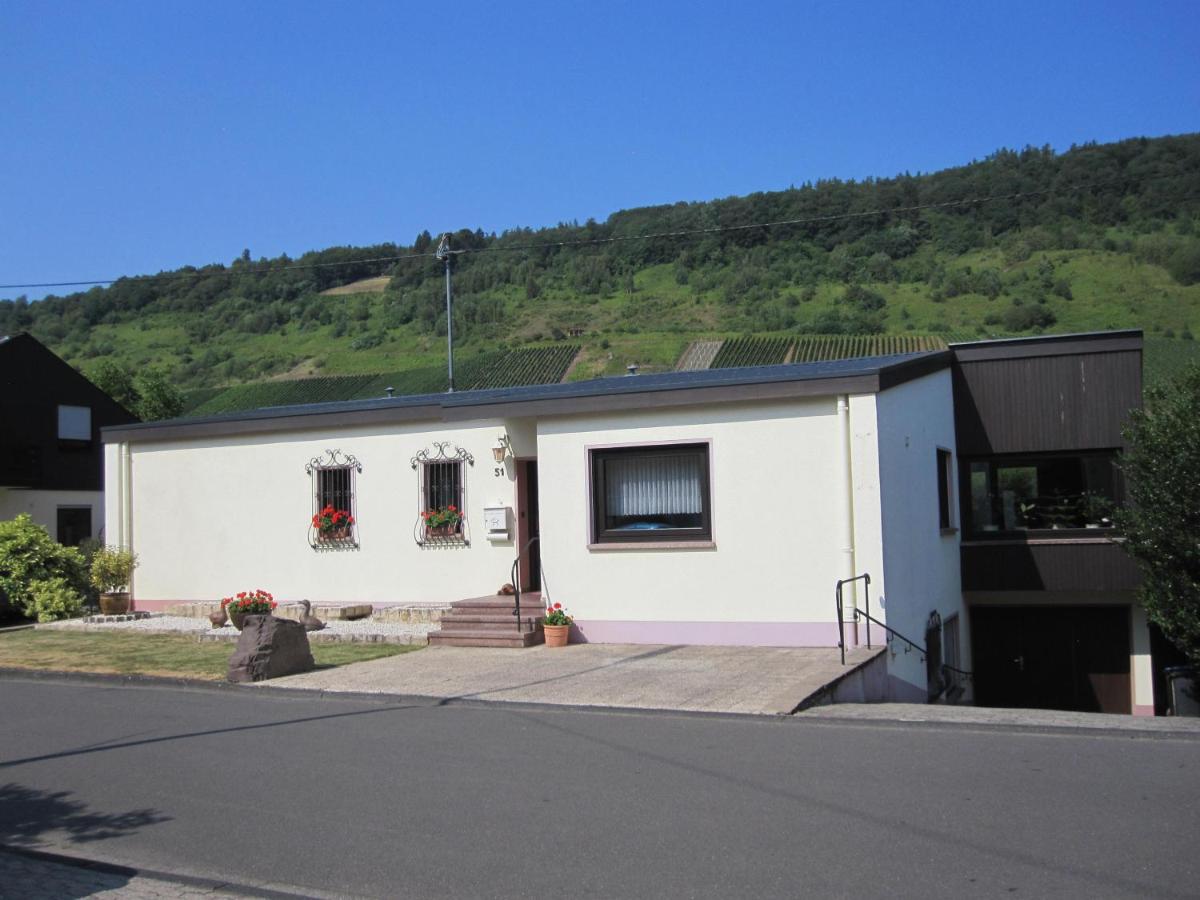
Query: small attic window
75, 425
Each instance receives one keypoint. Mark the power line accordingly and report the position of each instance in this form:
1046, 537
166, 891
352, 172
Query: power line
618, 239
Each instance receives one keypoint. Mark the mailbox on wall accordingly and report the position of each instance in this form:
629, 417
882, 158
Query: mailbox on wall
496, 523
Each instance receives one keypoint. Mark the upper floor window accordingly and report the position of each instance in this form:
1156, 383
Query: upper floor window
74, 425
1049, 492
651, 494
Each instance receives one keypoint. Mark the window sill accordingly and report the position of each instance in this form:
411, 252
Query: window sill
949, 532
654, 545
1044, 541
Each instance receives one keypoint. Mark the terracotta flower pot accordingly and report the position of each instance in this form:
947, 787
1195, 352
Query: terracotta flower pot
238, 619
114, 604
556, 635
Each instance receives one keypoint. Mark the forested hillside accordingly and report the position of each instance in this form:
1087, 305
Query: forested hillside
1101, 236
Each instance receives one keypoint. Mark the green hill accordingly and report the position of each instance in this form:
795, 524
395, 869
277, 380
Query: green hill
1100, 236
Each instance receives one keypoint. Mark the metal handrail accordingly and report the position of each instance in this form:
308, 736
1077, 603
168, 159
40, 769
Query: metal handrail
515, 578
866, 579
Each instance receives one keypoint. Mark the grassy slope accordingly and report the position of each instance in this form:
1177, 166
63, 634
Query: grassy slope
653, 325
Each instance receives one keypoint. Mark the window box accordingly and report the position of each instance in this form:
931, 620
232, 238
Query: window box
651, 495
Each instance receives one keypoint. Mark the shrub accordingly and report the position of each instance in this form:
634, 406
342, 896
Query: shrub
112, 568
29, 554
53, 598
1025, 318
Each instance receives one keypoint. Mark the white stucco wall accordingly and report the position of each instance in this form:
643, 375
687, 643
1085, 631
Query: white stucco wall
214, 516
775, 495
43, 506
920, 570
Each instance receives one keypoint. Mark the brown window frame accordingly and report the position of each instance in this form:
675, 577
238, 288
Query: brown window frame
945, 471
603, 535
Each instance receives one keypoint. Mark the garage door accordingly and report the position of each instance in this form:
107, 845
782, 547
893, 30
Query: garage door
1052, 657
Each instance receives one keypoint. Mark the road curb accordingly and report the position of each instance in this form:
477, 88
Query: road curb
192, 881
799, 719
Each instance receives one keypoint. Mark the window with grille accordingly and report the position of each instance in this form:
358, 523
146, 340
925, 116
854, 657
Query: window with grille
442, 494
335, 515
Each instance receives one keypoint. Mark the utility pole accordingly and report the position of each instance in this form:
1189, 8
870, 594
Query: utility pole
443, 253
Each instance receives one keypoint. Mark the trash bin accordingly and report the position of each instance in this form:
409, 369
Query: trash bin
1183, 689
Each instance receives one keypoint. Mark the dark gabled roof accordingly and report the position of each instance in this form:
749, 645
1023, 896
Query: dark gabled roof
863, 375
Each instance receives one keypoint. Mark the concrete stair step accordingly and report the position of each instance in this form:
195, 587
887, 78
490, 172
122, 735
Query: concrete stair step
485, 638
506, 627
502, 601
505, 617
504, 621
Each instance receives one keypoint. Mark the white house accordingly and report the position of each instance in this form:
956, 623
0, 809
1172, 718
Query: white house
711, 507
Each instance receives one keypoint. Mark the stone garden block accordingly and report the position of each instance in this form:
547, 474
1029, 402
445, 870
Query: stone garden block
269, 647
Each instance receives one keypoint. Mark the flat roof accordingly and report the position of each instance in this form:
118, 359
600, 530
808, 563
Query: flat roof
858, 375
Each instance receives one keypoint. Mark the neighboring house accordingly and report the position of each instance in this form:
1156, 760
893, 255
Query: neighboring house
705, 507
51, 456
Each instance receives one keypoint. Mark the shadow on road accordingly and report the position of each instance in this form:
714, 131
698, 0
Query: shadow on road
27, 815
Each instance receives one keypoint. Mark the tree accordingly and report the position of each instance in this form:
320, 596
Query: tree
116, 381
148, 395
1161, 522
158, 398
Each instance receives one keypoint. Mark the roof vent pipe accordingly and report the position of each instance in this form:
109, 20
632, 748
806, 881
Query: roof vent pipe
631, 369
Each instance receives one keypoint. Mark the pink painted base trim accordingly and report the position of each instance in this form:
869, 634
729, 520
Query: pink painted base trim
747, 634
155, 605
163, 605
1143, 710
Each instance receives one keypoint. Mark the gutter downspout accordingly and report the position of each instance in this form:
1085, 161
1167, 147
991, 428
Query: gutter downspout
126, 468
845, 487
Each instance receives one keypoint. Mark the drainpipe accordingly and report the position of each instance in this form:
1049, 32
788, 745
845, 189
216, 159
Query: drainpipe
845, 486
127, 501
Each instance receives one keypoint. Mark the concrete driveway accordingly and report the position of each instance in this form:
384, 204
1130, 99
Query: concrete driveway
762, 680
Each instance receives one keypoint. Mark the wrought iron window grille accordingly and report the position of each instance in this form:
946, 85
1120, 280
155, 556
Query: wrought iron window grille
442, 483
333, 477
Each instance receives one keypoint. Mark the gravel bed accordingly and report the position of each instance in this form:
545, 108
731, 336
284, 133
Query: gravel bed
359, 630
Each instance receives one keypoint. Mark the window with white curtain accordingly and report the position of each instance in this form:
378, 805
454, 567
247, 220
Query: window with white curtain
651, 493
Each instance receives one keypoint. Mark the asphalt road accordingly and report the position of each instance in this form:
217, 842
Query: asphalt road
387, 799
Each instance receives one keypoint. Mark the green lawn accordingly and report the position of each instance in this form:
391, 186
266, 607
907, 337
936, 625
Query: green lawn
179, 656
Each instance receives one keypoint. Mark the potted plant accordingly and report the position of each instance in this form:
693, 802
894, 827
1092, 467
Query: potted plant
111, 572
444, 522
333, 524
1097, 510
248, 603
557, 625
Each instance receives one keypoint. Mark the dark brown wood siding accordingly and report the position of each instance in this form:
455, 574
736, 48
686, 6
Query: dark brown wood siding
1045, 403
33, 382
1017, 566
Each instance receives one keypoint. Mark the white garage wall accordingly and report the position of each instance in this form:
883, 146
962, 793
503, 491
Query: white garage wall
921, 565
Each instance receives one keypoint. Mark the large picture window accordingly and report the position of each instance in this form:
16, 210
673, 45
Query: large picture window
651, 494
1015, 494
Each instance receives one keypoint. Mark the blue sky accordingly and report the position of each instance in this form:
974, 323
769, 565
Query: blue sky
144, 136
